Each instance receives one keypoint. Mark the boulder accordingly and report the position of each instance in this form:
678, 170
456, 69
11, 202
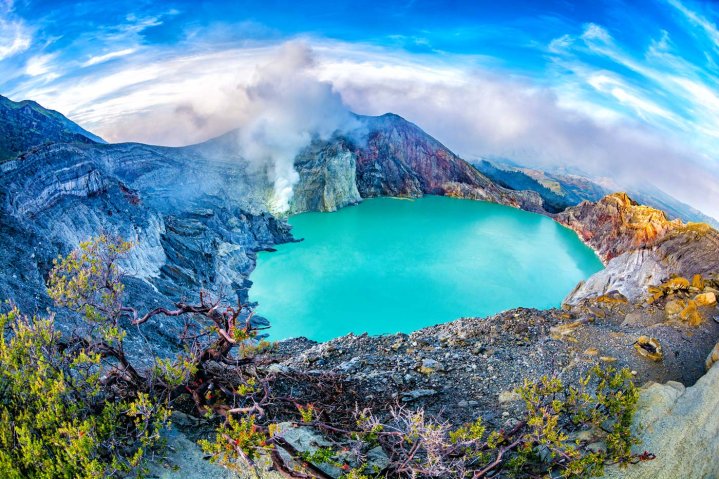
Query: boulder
705, 299
417, 393
430, 366
713, 357
698, 281
690, 314
183, 459
306, 440
509, 396
674, 307
649, 348
377, 459
680, 427
676, 284
640, 319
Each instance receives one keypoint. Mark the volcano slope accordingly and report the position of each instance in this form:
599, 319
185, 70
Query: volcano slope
199, 214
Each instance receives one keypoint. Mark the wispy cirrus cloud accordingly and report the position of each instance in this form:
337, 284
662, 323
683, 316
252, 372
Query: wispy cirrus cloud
707, 26
94, 60
41, 65
657, 84
15, 35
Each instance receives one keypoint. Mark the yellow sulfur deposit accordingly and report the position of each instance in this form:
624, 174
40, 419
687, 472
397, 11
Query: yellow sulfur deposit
649, 348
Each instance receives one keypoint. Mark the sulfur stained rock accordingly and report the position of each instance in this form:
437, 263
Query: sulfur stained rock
676, 284
612, 297
562, 330
713, 357
649, 348
674, 307
691, 314
430, 366
698, 281
705, 299
509, 396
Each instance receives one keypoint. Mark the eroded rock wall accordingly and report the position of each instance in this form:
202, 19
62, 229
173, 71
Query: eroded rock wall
639, 245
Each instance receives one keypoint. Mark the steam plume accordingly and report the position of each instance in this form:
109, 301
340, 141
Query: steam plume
287, 107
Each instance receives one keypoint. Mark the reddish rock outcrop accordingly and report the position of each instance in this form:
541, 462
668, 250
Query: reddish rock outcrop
639, 246
617, 224
397, 158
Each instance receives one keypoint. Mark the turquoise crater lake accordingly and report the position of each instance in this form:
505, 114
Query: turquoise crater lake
389, 265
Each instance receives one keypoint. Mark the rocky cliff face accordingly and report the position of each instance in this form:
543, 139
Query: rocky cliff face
616, 224
678, 425
198, 214
397, 158
190, 230
639, 246
328, 177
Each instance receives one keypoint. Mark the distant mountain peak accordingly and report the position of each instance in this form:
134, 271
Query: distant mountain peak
27, 124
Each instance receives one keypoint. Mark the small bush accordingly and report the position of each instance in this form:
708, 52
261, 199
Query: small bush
56, 418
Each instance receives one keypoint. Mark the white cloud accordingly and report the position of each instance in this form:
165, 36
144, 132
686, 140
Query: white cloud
156, 97
560, 44
94, 60
627, 95
136, 25
663, 89
709, 28
14, 37
40, 65
595, 32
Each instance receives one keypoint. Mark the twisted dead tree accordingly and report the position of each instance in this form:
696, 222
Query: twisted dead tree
217, 369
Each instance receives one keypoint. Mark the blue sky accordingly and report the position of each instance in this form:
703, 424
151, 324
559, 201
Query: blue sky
626, 90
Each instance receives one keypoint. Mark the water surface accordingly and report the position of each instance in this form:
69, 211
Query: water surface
391, 265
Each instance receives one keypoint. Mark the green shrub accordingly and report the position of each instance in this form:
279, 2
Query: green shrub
56, 418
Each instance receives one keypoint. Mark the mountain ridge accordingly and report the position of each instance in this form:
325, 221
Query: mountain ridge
562, 190
26, 124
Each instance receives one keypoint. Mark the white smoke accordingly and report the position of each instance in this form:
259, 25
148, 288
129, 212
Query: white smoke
287, 107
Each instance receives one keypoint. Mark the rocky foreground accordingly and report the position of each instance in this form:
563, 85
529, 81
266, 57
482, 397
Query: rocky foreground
664, 329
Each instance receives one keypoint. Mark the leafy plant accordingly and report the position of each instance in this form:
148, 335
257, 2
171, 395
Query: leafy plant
57, 420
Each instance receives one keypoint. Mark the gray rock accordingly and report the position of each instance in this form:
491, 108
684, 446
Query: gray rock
680, 427
184, 459
377, 459
429, 366
629, 273
351, 366
638, 319
417, 393
307, 440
